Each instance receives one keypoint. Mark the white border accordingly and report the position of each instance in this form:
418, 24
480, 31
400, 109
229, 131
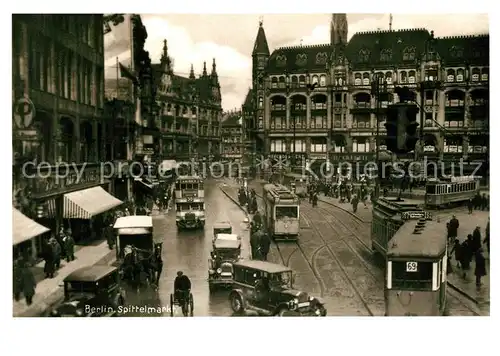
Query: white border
235, 335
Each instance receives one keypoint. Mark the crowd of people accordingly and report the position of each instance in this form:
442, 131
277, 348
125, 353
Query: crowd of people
468, 250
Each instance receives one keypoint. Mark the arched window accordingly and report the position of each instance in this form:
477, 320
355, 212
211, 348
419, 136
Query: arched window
460, 75
357, 79
403, 77
386, 55
450, 75
484, 74
321, 58
322, 81
282, 82
295, 82
475, 74
388, 77
364, 56
261, 102
274, 82
366, 79
315, 79
411, 77
302, 81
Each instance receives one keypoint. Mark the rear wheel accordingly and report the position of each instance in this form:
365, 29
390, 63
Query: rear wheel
236, 303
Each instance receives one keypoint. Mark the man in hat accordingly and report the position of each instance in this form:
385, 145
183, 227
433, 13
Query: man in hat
56, 248
69, 246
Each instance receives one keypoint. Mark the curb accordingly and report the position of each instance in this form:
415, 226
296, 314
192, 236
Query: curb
235, 202
462, 292
40, 308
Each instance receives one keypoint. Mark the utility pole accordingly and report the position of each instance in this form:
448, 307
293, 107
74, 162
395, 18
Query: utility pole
378, 83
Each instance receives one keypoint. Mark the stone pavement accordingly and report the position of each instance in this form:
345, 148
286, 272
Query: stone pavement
48, 291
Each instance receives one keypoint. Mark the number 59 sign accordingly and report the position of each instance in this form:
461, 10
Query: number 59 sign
411, 266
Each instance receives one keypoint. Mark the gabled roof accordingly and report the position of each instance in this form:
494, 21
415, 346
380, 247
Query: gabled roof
248, 100
232, 120
299, 59
474, 50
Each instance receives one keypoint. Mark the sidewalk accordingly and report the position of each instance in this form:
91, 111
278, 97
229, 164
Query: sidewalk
48, 292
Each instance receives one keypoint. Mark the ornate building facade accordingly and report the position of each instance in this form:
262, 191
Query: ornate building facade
316, 102
232, 138
190, 113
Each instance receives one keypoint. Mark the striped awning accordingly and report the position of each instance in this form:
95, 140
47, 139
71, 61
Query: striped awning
23, 228
84, 204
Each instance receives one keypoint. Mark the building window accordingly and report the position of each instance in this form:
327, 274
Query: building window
460, 75
388, 77
364, 56
366, 79
318, 145
314, 79
302, 81
475, 74
274, 83
277, 123
322, 81
411, 77
484, 74
409, 54
261, 102
260, 123
450, 76
360, 145
318, 122
337, 121
361, 122
457, 52
300, 146
278, 146
357, 79
386, 55
339, 147
403, 77
453, 145
321, 58
282, 83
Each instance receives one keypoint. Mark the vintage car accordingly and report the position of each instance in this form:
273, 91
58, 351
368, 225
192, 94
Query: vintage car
222, 227
226, 251
92, 291
267, 289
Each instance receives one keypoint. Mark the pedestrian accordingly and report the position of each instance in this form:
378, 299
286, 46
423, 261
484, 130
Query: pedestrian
110, 236
355, 202
48, 256
265, 244
29, 284
487, 238
457, 249
56, 248
453, 228
484, 202
70, 247
470, 205
480, 270
17, 278
255, 244
476, 239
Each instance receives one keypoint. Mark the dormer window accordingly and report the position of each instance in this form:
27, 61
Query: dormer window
475, 74
388, 77
357, 79
280, 60
302, 81
460, 75
457, 52
484, 74
366, 79
321, 58
411, 77
315, 79
301, 59
386, 55
403, 77
322, 81
274, 83
364, 56
409, 54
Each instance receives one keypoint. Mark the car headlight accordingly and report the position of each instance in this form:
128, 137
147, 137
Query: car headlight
178, 219
219, 270
317, 312
79, 312
296, 301
311, 299
211, 271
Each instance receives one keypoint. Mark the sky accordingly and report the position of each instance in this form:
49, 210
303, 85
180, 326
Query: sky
193, 39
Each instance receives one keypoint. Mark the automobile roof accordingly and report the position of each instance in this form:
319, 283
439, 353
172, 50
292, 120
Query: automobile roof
222, 224
227, 244
90, 273
262, 265
230, 237
134, 221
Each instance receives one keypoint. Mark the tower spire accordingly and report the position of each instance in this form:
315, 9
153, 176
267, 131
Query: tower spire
338, 29
214, 68
260, 45
204, 68
165, 60
165, 48
191, 72
390, 22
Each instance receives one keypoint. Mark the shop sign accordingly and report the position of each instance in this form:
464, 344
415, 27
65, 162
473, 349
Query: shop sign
348, 157
59, 179
317, 156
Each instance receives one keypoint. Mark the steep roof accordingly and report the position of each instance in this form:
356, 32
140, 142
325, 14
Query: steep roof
298, 59
232, 120
248, 99
260, 45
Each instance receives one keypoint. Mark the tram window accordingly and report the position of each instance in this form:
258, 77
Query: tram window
419, 279
431, 189
287, 211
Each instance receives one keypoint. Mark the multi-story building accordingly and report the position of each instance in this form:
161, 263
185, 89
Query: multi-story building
316, 101
232, 140
58, 120
190, 111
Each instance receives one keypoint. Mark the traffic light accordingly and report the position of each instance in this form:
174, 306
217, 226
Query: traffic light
401, 127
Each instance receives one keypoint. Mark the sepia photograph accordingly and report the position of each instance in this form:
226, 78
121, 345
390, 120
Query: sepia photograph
239, 165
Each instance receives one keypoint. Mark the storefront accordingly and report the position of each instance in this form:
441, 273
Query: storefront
72, 197
353, 164
317, 163
27, 235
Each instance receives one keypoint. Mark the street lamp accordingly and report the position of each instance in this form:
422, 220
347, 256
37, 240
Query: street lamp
379, 88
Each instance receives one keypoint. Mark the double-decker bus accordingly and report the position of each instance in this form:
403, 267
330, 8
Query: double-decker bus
281, 212
189, 202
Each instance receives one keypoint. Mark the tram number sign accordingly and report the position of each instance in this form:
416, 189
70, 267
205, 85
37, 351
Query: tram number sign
411, 266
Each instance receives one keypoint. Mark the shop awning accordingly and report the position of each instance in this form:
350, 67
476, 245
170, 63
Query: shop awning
23, 228
84, 204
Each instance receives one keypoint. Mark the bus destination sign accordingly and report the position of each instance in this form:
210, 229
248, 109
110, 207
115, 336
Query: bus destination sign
415, 215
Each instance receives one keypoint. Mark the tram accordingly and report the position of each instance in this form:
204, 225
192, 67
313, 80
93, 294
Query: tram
453, 190
282, 213
416, 270
387, 218
189, 202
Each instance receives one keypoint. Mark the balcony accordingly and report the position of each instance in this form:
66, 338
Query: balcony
361, 125
361, 107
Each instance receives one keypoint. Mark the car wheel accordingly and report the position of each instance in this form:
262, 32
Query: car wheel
237, 303
282, 311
